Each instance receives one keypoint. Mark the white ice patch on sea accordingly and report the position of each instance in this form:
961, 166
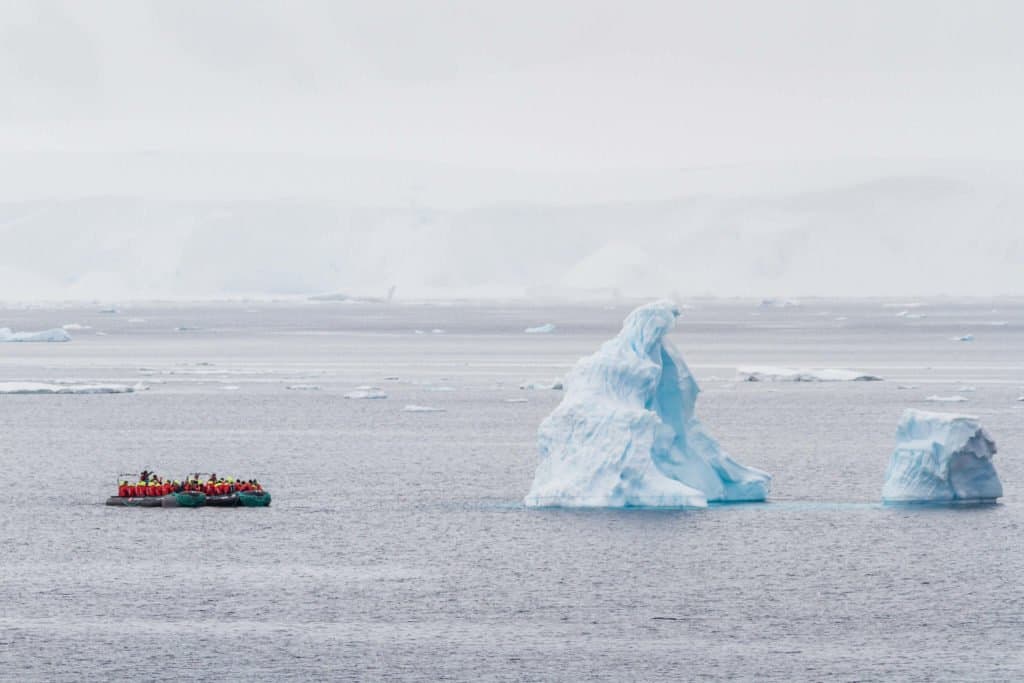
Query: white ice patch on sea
73, 327
55, 335
964, 338
556, 385
779, 303
47, 388
546, 328
625, 434
773, 374
302, 387
941, 457
367, 392
413, 408
946, 399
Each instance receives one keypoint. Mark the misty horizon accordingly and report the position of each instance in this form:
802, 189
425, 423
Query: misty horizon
155, 150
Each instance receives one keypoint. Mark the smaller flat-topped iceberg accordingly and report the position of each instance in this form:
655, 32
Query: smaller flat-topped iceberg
941, 458
771, 374
55, 335
625, 434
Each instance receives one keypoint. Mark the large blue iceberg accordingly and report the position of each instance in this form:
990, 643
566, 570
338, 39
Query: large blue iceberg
625, 434
941, 458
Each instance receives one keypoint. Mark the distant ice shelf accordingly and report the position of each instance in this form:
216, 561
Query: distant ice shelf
773, 374
625, 433
57, 334
47, 388
941, 458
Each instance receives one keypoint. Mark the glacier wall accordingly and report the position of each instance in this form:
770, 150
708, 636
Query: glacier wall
625, 434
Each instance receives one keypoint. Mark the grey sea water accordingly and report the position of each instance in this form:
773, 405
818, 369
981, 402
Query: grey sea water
397, 547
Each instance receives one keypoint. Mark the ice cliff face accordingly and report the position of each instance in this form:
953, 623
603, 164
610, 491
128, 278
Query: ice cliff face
941, 457
625, 434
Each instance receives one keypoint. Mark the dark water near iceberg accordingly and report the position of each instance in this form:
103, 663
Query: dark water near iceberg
396, 547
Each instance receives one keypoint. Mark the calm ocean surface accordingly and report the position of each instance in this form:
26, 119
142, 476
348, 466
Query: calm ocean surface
396, 546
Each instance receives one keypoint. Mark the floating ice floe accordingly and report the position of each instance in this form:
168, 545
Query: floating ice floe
556, 385
74, 327
964, 338
941, 458
998, 323
302, 387
915, 316
625, 434
136, 321
779, 303
231, 387
366, 391
523, 400
437, 330
946, 399
48, 388
546, 328
966, 389
57, 334
772, 374
413, 408
906, 386
441, 388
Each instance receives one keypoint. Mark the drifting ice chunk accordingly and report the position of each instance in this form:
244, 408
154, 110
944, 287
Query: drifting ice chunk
413, 408
768, 374
555, 385
366, 392
965, 338
941, 457
45, 388
55, 335
625, 434
302, 387
779, 303
72, 327
947, 399
546, 328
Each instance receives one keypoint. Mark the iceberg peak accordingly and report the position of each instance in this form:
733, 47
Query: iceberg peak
625, 434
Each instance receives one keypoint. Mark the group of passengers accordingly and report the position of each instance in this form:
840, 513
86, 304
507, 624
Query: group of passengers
150, 484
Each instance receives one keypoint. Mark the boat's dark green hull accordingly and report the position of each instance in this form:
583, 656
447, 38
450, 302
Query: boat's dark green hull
254, 499
194, 499
184, 499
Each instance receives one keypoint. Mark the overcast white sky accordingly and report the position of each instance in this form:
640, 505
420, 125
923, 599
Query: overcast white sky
904, 116
524, 84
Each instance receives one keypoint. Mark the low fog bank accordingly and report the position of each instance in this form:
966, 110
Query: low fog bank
748, 232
